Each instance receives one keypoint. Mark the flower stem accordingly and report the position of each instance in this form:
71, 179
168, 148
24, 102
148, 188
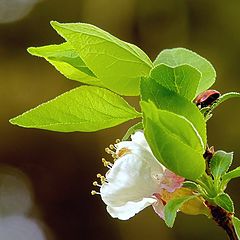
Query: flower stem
223, 219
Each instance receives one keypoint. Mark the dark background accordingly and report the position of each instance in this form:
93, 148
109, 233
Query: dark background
62, 167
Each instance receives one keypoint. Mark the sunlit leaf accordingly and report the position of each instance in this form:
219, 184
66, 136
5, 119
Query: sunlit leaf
85, 108
118, 64
168, 100
183, 79
174, 141
179, 56
67, 61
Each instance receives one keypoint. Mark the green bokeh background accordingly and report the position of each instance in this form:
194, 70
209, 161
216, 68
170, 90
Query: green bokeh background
62, 167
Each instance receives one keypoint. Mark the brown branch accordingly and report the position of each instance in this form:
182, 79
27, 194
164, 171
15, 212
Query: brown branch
223, 219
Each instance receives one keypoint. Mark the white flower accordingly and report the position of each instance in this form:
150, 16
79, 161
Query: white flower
135, 180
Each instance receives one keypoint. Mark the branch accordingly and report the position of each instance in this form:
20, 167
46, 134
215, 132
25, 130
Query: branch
223, 219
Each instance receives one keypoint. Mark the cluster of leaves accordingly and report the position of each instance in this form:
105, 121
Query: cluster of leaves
174, 126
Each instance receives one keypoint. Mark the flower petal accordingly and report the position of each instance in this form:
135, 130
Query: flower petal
130, 179
129, 209
171, 181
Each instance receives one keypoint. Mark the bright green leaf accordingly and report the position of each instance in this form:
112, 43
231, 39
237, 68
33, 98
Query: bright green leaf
118, 64
182, 79
236, 223
84, 109
67, 61
174, 141
132, 130
170, 210
223, 200
220, 163
230, 175
179, 56
168, 100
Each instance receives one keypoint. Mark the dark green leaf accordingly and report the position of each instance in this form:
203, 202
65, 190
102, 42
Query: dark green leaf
220, 163
85, 108
179, 56
118, 64
182, 79
190, 185
223, 200
230, 175
236, 223
170, 210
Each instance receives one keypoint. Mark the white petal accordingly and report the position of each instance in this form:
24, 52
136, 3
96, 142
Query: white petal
139, 138
130, 179
129, 209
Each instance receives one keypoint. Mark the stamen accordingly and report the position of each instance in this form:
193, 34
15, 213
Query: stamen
118, 141
106, 163
109, 151
93, 192
95, 183
111, 146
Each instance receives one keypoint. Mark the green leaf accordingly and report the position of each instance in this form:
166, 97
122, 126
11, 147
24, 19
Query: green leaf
179, 56
170, 210
173, 141
132, 130
223, 200
230, 175
168, 100
67, 61
85, 108
182, 79
118, 64
220, 163
221, 99
236, 223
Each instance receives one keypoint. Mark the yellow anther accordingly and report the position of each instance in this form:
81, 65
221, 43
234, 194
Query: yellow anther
93, 192
95, 183
111, 146
99, 175
114, 155
103, 179
117, 141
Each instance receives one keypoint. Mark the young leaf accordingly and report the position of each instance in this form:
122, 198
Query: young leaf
67, 61
223, 200
118, 64
174, 141
132, 130
220, 163
168, 100
236, 223
230, 175
182, 79
85, 108
179, 56
190, 185
170, 210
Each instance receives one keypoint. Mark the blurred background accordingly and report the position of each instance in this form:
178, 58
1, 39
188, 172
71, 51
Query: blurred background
46, 177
